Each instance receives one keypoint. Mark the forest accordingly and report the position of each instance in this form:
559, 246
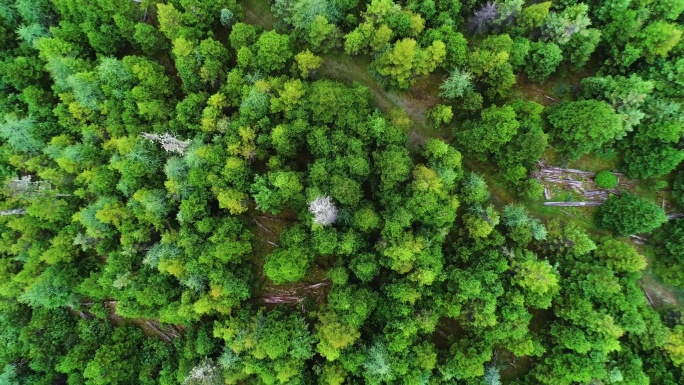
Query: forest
336, 192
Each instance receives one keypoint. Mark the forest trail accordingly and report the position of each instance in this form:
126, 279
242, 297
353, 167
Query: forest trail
258, 12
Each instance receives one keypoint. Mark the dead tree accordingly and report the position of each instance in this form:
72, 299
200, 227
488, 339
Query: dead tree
574, 204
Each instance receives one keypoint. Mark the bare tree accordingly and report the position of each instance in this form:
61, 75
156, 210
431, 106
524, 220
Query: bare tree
13, 212
168, 142
323, 210
484, 16
204, 373
25, 186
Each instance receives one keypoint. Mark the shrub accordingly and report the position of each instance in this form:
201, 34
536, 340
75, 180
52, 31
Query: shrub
606, 179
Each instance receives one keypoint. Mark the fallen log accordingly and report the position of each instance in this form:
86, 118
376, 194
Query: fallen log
314, 285
568, 214
650, 301
262, 226
577, 189
592, 193
158, 331
675, 216
567, 170
638, 239
547, 193
283, 299
574, 204
564, 181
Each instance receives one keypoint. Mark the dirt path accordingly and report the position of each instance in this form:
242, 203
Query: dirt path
258, 12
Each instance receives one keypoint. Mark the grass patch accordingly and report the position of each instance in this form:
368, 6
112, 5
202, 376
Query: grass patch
596, 162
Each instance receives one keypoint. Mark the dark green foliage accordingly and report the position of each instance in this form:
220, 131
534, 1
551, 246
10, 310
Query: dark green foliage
628, 214
668, 243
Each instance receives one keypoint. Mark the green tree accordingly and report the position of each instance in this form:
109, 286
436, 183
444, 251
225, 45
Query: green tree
628, 214
308, 63
571, 127
606, 180
19, 134
658, 39
539, 280
242, 35
496, 127
273, 346
405, 60
543, 60
289, 262
619, 256
272, 51
668, 245
456, 85
533, 16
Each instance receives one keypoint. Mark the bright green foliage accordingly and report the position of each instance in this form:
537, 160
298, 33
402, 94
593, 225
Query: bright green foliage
322, 34
533, 15
576, 133
658, 39
620, 256
675, 346
489, 61
289, 262
626, 95
277, 188
242, 35
405, 60
606, 180
334, 335
628, 214
456, 45
539, 280
272, 51
307, 63
441, 114
170, 20
148, 37
568, 239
